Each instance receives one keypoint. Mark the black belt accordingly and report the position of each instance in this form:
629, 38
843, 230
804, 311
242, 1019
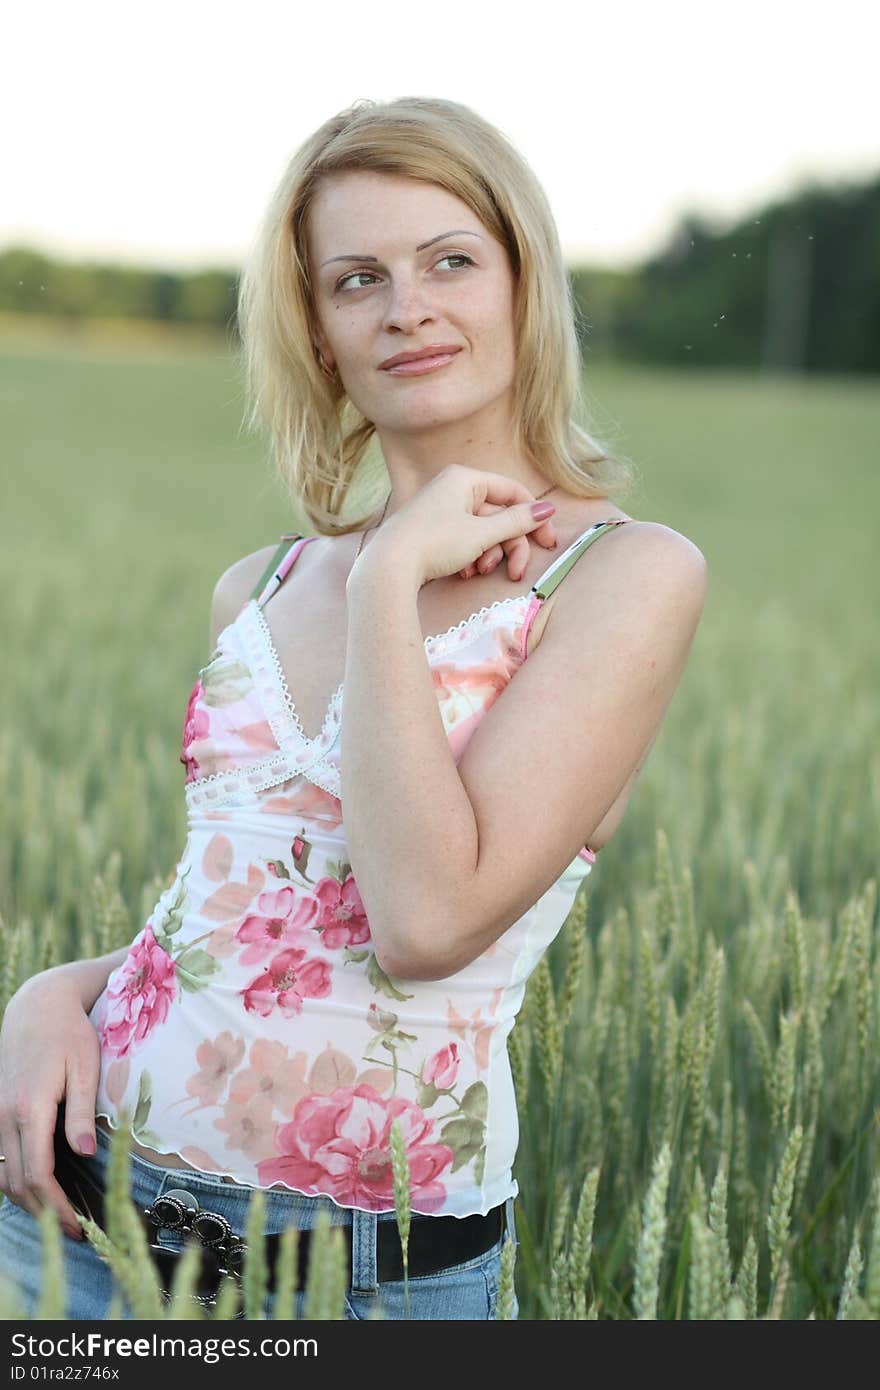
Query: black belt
435, 1242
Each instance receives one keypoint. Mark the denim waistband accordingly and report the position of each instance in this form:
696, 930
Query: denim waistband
282, 1208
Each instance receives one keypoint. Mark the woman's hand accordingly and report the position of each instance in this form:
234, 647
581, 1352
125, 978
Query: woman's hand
49, 1052
465, 519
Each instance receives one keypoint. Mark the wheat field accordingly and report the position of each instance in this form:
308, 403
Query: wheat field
696, 1062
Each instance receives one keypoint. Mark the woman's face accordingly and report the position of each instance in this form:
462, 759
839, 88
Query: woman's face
391, 297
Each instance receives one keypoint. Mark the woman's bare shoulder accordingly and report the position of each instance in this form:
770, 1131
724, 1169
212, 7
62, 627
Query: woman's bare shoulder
235, 586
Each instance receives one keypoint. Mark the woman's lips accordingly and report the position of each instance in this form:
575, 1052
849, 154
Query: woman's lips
420, 365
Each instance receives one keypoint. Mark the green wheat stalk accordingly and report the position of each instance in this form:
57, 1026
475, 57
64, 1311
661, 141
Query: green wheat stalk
287, 1275
255, 1276
793, 927
649, 1255
402, 1200
851, 1276
872, 1277
582, 1243
784, 1069
183, 1302
325, 1285
53, 1290
780, 1202
702, 1281
718, 1227
547, 1034
506, 1279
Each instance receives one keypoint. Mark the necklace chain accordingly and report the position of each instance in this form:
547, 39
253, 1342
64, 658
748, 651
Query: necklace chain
385, 508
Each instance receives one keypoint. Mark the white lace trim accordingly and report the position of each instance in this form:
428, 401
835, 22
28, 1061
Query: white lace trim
325, 775
268, 674
293, 758
238, 786
332, 714
297, 754
435, 644
438, 642
331, 778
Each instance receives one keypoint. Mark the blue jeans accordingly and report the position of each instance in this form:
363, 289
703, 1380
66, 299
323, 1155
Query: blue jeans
468, 1290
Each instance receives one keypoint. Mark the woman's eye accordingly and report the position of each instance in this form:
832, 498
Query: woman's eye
356, 274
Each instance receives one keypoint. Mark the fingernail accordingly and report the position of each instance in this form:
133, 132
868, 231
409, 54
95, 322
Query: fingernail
86, 1144
541, 509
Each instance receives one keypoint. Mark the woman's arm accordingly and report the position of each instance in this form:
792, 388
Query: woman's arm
49, 1051
88, 976
447, 855
409, 826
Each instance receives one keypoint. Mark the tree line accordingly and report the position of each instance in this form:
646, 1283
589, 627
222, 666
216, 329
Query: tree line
794, 286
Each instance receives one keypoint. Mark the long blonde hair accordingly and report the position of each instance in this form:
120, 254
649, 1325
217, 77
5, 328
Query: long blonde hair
320, 440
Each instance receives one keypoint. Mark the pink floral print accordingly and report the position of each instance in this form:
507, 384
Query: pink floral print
475, 1031
140, 996
442, 1069
340, 1145
278, 917
248, 1125
272, 1075
196, 726
225, 726
217, 1061
300, 798
342, 920
464, 695
291, 977
273, 1081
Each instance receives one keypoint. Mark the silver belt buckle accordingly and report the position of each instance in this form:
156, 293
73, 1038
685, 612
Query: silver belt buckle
179, 1210
174, 1210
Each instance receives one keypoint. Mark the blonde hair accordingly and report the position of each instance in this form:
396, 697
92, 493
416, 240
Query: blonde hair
320, 440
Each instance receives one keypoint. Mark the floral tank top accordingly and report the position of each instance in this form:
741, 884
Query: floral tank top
250, 1030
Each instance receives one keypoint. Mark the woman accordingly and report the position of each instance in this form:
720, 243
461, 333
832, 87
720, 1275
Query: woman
366, 887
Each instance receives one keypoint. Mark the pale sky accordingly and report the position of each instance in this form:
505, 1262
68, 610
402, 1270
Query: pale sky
155, 134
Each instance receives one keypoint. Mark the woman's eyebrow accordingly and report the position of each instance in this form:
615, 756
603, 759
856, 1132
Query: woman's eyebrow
456, 231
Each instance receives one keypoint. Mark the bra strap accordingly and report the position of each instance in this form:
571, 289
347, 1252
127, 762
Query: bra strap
279, 566
555, 573
543, 587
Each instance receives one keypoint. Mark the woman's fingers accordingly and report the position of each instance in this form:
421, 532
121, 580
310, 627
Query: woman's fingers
490, 558
15, 1185
49, 1053
81, 1088
518, 557
28, 1173
516, 549
10, 1171
517, 552
38, 1155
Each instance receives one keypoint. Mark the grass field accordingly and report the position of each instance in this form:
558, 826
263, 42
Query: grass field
721, 994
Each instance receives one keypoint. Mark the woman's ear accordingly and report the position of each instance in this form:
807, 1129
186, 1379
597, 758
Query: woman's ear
328, 368
322, 351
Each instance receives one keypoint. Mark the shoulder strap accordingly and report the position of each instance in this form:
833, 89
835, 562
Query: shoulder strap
279, 566
555, 573
549, 580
